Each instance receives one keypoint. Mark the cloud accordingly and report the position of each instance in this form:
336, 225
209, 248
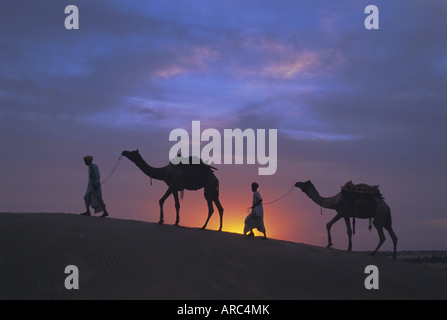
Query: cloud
440, 224
303, 65
179, 59
194, 59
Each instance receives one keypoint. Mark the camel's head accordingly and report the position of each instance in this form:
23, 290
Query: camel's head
131, 155
304, 186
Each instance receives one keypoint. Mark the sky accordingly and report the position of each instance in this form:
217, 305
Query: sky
348, 103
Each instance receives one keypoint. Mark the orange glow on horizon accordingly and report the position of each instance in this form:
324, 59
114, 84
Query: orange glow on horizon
280, 221
283, 220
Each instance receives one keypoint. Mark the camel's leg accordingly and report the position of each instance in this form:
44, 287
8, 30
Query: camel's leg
381, 237
210, 212
393, 237
329, 226
348, 227
221, 210
177, 207
162, 201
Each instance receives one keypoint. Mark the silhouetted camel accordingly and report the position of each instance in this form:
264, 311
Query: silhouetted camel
363, 208
180, 177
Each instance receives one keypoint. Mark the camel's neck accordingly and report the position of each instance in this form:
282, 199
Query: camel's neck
154, 173
314, 195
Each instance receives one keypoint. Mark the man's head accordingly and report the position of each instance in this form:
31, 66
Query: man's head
88, 160
254, 186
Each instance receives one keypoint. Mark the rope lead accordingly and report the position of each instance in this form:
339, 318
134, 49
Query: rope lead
271, 202
107, 178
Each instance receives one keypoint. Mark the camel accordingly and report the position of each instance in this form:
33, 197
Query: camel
361, 207
180, 177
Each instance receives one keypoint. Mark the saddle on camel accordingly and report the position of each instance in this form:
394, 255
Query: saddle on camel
360, 192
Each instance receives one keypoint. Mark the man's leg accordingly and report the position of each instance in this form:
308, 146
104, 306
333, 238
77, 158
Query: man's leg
103, 205
87, 205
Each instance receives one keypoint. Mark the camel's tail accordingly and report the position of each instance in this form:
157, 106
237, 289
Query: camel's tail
217, 186
212, 189
182, 194
216, 183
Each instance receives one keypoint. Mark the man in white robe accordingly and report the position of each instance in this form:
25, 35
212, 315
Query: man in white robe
93, 194
256, 218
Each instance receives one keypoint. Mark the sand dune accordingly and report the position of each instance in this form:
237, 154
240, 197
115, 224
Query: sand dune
123, 259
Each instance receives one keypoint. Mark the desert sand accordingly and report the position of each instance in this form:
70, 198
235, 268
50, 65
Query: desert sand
125, 259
